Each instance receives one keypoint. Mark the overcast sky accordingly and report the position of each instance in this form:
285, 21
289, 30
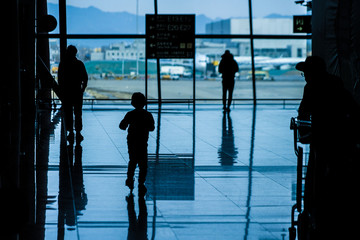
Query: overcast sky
211, 8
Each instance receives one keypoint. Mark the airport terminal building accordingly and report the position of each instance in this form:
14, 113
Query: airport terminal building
276, 25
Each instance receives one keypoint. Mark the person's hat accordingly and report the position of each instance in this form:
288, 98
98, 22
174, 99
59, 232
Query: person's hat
312, 64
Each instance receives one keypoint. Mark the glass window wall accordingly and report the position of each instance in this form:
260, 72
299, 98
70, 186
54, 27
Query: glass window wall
275, 17
275, 73
53, 9
116, 66
107, 16
208, 57
212, 16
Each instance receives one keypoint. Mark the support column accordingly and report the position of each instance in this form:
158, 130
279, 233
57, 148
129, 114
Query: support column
62, 28
252, 52
158, 64
42, 48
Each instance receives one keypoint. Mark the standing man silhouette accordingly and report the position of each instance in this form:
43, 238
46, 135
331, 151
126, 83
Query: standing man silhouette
228, 67
73, 80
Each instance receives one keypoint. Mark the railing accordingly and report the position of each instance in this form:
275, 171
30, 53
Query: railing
199, 101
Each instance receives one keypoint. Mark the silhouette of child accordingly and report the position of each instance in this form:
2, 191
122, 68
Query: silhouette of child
139, 123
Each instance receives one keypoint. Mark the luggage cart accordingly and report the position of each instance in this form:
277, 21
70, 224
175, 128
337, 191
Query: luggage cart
302, 136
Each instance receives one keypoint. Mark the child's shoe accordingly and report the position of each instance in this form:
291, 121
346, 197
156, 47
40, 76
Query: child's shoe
130, 199
70, 137
79, 137
142, 190
130, 183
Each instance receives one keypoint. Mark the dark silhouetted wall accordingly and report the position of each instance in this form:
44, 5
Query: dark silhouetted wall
336, 38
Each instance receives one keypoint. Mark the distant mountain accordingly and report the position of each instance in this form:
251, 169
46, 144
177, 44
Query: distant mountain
92, 20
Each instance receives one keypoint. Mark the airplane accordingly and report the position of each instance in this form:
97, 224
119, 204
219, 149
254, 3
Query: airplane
282, 63
263, 63
184, 68
268, 63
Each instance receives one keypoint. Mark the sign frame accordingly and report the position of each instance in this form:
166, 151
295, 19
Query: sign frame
302, 24
166, 35
170, 36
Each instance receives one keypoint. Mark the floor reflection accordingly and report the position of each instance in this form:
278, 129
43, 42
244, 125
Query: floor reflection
137, 224
227, 151
235, 185
72, 198
162, 183
47, 122
250, 174
78, 180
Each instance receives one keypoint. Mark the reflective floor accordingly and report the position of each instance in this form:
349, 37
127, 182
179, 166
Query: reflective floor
211, 176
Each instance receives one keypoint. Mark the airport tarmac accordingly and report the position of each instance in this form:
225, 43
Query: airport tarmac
183, 89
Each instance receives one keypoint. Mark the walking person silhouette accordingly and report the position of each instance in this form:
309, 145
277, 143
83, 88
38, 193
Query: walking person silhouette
139, 123
228, 67
73, 79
